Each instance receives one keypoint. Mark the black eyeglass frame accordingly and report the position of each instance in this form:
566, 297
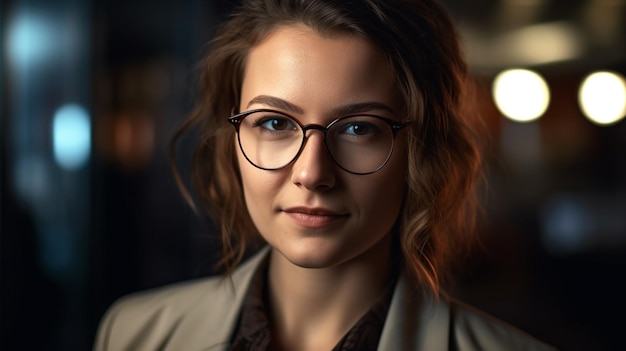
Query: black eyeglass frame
394, 125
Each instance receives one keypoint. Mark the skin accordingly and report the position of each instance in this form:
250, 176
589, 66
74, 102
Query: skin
330, 231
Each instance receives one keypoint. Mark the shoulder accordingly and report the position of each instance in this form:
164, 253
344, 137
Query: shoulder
199, 312
417, 320
165, 304
472, 329
147, 320
177, 297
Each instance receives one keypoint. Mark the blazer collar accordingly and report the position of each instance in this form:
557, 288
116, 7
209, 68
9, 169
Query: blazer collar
416, 320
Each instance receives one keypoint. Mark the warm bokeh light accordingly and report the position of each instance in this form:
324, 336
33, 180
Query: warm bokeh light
602, 97
133, 139
126, 138
71, 135
521, 95
541, 44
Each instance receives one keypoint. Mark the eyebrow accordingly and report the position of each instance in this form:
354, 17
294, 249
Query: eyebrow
276, 103
349, 109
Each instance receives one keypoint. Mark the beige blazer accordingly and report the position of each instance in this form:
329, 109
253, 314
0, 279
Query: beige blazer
202, 315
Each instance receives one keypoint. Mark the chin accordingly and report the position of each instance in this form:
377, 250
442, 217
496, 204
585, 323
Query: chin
311, 256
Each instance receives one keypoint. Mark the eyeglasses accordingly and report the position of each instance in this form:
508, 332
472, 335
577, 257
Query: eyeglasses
358, 144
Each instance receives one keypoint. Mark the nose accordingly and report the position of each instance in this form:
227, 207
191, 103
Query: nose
314, 169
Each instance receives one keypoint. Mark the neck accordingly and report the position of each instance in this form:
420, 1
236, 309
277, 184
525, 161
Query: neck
314, 308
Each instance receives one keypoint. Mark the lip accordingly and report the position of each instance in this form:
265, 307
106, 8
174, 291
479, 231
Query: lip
314, 217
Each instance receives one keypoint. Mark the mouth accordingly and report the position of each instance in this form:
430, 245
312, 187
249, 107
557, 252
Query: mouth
314, 217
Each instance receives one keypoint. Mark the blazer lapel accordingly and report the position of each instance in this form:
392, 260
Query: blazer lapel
211, 324
415, 321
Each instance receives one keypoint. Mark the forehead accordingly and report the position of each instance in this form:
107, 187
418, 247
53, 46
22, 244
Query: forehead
299, 65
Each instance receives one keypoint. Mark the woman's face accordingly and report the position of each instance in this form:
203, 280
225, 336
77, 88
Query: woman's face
312, 212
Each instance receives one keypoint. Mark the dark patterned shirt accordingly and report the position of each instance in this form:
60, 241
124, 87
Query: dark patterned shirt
254, 332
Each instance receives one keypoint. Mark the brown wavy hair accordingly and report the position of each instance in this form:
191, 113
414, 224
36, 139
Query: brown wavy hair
421, 43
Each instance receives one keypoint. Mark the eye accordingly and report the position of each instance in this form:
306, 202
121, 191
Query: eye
275, 123
361, 128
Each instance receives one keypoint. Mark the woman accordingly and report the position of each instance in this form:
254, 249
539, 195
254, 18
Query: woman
348, 153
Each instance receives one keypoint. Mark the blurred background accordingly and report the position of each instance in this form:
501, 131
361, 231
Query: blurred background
92, 91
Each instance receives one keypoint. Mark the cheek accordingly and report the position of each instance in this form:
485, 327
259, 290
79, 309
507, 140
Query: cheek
249, 179
259, 187
391, 185
381, 194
